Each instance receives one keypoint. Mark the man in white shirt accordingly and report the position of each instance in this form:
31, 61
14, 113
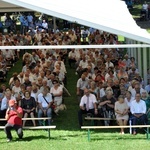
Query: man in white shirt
45, 102
82, 65
45, 25
145, 6
82, 83
145, 9
136, 89
88, 104
72, 57
138, 111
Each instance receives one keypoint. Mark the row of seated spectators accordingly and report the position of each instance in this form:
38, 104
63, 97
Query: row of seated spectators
107, 74
98, 69
38, 88
42, 69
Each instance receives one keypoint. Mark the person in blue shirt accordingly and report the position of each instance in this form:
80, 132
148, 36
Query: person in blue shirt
4, 102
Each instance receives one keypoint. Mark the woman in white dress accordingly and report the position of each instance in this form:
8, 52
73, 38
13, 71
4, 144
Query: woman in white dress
57, 92
121, 110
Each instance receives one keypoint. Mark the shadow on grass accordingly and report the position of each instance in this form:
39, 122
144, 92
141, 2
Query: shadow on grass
30, 138
121, 137
106, 135
26, 139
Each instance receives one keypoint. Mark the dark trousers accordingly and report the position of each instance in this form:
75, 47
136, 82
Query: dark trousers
2, 115
81, 93
142, 120
71, 61
48, 114
81, 112
9, 127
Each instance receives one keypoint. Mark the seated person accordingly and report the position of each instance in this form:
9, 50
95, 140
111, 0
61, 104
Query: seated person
45, 101
138, 111
28, 105
57, 92
147, 101
106, 106
144, 95
1, 97
4, 102
88, 104
121, 110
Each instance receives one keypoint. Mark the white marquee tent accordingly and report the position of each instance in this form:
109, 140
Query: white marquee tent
107, 15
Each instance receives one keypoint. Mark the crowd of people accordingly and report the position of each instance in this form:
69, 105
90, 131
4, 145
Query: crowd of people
109, 83
28, 22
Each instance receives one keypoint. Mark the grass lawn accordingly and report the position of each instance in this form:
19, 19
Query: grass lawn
75, 140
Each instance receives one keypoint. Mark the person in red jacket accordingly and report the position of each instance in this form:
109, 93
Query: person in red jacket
13, 116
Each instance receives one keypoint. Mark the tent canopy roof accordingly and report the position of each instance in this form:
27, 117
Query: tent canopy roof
107, 15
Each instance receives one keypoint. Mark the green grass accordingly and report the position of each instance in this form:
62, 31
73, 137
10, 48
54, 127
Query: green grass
75, 140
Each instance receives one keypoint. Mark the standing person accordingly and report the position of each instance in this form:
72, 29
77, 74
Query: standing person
138, 111
121, 110
29, 19
72, 57
45, 25
13, 116
88, 104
